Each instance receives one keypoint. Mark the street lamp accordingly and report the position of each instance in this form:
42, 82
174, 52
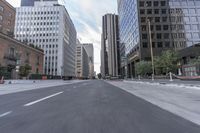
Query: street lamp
150, 41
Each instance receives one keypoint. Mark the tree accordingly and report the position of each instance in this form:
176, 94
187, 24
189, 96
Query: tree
166, 63
24, 71
143, 68
99, 75
195, 61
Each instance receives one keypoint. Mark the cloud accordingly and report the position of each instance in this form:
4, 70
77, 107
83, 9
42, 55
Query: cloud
87, 18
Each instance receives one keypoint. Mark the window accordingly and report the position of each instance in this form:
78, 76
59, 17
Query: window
157, 19
143, 20
144, 36
156, 11
159, 36
159, 44
1, 8
156, 3
144, 28
166, 36
164, 11
164, 19
149, 11
148, 3
141, 3
142, 11
163, 3
167, 44
12, 52
165, 27
158, 27
145, 45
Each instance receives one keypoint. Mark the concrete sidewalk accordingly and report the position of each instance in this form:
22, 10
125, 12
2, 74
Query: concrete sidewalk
175, 82
24, 85
178, 99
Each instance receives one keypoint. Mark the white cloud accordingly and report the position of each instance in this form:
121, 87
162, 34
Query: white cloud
15, 3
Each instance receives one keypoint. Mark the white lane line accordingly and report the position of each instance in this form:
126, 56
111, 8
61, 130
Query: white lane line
4, 114
42, 99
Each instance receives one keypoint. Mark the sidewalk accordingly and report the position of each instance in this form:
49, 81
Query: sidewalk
24, 85
175, 82
179, 99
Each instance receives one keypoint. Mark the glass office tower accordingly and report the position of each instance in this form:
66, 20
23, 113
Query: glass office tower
128, 30
135, 41
190, 11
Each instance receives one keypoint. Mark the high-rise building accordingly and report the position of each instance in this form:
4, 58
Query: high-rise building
110, 46
48, 26
90, 51
7, 18
186, 12
82, 61
31, 2
140, 20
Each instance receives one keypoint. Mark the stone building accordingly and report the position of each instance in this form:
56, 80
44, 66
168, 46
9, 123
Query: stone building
14, 54
7, 18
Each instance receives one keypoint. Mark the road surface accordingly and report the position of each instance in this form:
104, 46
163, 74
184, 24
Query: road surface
87, 107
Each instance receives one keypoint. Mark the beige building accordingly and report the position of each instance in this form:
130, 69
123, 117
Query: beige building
82, 61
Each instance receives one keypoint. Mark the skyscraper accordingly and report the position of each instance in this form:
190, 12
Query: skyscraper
82, 61
48, 26
140, 20
90, 51
110, 64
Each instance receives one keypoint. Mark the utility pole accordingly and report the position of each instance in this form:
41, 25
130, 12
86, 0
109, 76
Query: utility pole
151, 47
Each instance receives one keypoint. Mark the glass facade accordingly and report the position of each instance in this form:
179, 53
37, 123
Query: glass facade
129, 25
191, 15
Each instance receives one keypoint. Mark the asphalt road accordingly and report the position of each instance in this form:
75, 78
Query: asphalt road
87, 107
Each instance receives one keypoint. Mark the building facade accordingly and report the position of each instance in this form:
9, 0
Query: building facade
110, 46
146, 23
82, 62
7, 18
90, 52
14, 53
188, 12
31, 2
48, 26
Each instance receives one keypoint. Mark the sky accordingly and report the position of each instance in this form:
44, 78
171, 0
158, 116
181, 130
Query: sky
87, 18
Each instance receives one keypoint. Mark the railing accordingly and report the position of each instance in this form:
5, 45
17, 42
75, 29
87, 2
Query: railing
10, 57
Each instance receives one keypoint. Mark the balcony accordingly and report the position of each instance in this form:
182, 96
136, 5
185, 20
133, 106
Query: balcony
10, 57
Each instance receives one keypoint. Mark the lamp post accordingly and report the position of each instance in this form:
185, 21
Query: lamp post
150, 42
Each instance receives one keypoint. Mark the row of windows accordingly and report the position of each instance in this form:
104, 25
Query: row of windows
157, 27
51, 52
38, 13
164, 35
38, 18
151, 11
164, 44
152, 3
39, 40
37, 35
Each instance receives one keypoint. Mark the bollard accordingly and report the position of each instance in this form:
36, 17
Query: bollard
153, 77
171, 78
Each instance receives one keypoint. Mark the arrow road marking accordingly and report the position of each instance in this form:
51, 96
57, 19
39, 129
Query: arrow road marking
42, 99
